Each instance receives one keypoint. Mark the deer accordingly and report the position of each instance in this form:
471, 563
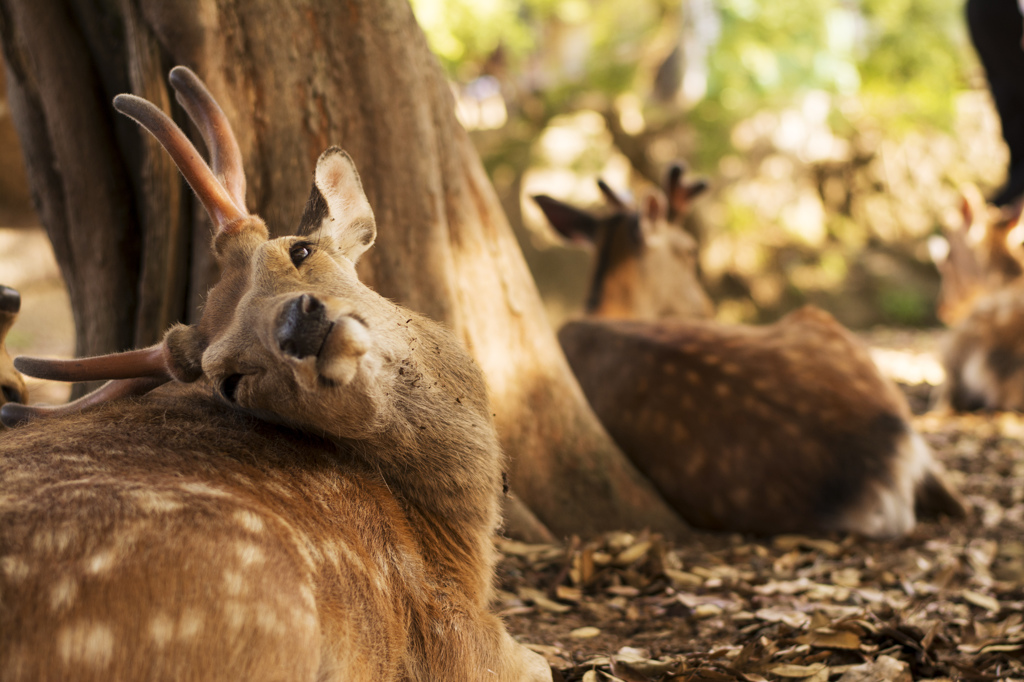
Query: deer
12, 385
976, 257
646, 265
981, 299
781, 428
302, 485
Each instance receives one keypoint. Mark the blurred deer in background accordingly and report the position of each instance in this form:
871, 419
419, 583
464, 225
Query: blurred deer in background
977, 258
782, 428
982, 300
646, 264
12, 385
302, 486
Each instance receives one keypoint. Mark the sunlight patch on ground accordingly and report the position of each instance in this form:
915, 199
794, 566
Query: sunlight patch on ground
909, 367
44, 325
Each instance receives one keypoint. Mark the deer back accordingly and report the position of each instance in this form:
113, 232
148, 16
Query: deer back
781, 428
646, 264
12, 384
303, 485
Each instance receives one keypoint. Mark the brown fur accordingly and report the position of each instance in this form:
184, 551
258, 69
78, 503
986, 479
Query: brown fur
978, 259
788, 427
982, 299
326, 516
12, 384
984, 355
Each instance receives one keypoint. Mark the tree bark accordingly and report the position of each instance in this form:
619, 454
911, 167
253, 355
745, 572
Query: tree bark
294, 78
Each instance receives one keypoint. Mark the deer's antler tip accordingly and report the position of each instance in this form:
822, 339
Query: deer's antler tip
182, 75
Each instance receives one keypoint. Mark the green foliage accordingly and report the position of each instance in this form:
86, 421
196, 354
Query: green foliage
853, 99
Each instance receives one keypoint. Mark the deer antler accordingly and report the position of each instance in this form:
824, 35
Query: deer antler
222, 192
217, 200
225, 156
13, 414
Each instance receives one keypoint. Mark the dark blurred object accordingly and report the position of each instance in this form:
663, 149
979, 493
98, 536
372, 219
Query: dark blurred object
15, 199
997, 28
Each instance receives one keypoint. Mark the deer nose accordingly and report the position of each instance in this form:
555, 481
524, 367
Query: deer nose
302, 326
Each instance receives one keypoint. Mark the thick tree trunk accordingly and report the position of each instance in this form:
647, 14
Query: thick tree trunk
294, 78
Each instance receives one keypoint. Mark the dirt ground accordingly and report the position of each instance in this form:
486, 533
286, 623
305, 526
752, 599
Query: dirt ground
944, 603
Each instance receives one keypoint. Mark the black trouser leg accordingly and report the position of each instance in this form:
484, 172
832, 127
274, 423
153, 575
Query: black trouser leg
996, 27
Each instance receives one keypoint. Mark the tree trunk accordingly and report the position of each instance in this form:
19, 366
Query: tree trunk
294, 78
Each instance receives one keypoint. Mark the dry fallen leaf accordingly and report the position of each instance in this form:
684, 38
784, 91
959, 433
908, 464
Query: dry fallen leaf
586, 632
825, 638
797, 671
882, 669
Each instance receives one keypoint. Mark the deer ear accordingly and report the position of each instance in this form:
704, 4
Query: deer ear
337, 205
573, 224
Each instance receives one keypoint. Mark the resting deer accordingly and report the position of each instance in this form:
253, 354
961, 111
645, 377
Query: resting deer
302, 486
976, 258
12, 385
982, 300
787, 427
646, 266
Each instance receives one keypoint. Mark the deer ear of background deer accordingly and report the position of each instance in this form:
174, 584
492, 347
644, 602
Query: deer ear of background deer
575, 225
337, 205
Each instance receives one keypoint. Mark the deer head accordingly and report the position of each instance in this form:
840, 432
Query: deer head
647, 266
289, 332
12, 386
977, 257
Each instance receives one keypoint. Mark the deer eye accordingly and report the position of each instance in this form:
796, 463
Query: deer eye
229, 386
299, 252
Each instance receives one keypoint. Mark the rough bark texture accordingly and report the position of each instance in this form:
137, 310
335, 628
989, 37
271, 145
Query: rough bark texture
294, 78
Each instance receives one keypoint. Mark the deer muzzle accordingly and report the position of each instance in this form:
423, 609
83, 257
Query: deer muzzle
302, 327
322, 336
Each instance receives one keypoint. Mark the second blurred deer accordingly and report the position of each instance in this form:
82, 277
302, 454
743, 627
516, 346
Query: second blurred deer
782, 428
982, 300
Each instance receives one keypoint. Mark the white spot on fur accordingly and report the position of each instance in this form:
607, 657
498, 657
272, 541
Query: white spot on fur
89, 644
306, 594
190, 625
200, 488
267, 620
15, 568
157, 502
161, 629
251, 522
63, 593
234, 614
53, 540
101, 562
249, 554
233, 583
